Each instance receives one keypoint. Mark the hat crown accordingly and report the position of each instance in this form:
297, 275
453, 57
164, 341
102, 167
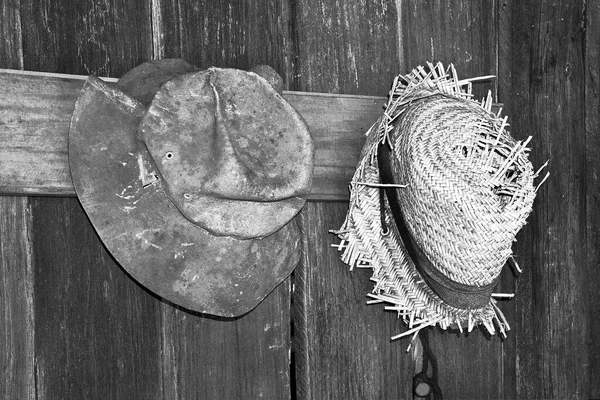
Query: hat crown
227, 135
463, 204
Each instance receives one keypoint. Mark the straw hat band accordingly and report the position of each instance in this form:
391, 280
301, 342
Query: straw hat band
454, 293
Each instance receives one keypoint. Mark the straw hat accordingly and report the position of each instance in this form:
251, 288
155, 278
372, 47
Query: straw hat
440, 191
191, 179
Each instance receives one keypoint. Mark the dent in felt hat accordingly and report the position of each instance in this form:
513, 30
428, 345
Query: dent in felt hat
235, 157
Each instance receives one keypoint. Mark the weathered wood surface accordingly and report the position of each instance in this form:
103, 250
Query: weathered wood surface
97, 333
246, 358
94, 333
328, 333
96, 37
11, 50
230, 33
468, 34
591, 71
17, 380
555, 343
17, 352
35, 112
342, 348
461, 32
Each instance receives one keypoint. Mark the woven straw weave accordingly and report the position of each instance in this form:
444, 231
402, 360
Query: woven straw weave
465, 187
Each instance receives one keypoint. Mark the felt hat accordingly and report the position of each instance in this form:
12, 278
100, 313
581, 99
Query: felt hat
440, 191
192, 179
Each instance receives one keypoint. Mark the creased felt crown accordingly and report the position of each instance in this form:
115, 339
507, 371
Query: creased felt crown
439, 194
144, 153
235, 157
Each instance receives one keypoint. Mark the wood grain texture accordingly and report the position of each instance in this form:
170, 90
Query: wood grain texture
346, 47
507, 48
461, 32
592, 185
35, 112
231, 34
17, 380
100, 335
99, 37
242, 358
11, 50
176, 363
343, 347
17, 356
471, 366
338, 124
97, 332
547, 100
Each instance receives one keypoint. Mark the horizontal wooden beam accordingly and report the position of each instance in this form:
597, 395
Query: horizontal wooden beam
36, 108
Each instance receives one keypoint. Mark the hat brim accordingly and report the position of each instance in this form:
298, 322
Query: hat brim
117, 184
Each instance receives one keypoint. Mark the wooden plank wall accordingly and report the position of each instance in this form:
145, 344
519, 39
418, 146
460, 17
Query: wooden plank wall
591, 73
552, 89
74, 325
17, 361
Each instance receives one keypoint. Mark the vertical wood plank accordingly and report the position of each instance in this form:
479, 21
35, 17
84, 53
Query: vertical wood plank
462, 32
98, 37
547, 100
343, 347
343, 350
247, 357
514, 50
216, 358
346, 47
592, 184
513, 41
16, 270
97, 332
96, 329
16, 300
231, 34
11, 49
